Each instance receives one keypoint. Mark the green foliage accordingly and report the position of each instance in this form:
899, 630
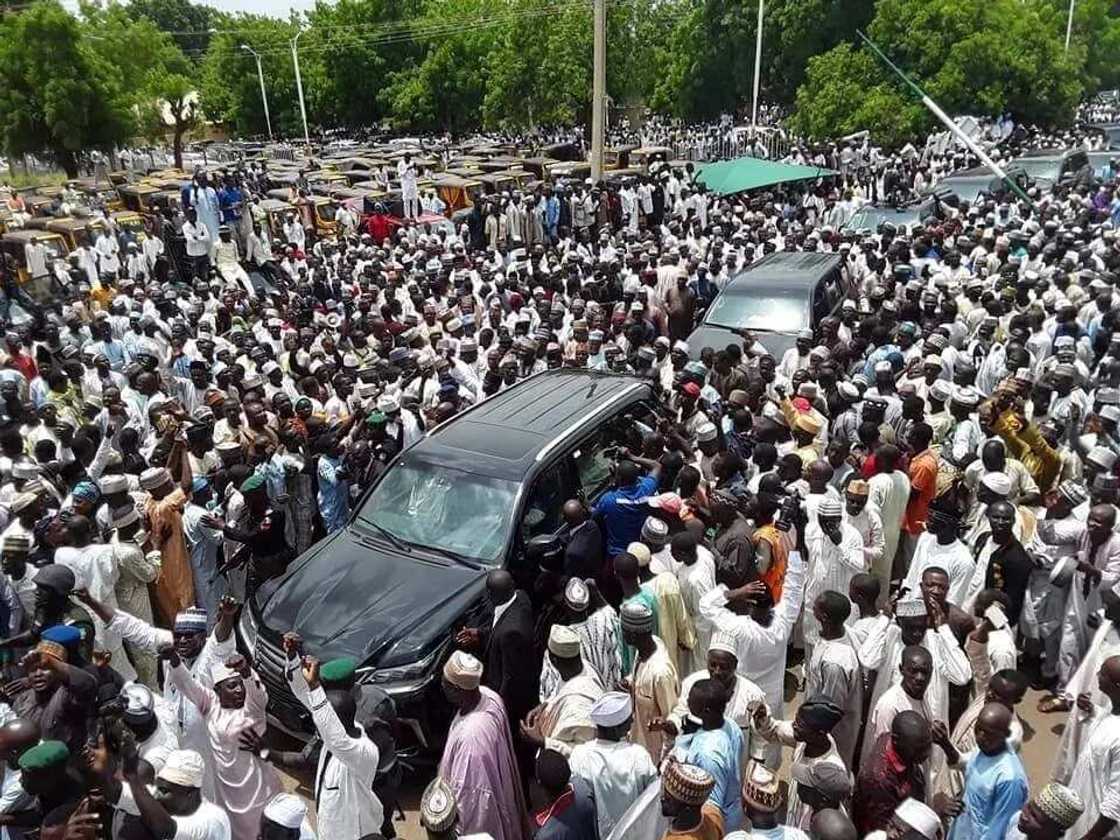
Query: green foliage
845, 75
1096, 31
228, 86
57, 97
710, 52
983, 57
189, 21
360, 42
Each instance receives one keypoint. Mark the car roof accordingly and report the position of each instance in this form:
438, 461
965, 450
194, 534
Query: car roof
1045, 153
789, 270
503, 435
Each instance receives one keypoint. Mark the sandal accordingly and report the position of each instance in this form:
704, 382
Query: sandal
1054, 703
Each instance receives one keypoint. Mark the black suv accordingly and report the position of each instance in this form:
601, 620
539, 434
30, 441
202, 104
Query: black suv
408, 570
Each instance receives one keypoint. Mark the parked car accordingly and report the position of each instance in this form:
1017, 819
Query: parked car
868, 217
779, 295
393, 587
1047, 167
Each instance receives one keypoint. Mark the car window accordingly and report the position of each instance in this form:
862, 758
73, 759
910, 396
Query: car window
447, 509
772, 312
1075, 162
820, 300
593, 460
543, 507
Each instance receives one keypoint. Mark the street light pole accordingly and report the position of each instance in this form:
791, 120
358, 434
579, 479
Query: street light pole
299, 88
264, 96
598, 87
1069, 23
757, 70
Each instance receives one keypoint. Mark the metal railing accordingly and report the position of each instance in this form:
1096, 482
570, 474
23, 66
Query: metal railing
771, 144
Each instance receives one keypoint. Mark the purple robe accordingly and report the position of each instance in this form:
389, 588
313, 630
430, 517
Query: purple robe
479, 764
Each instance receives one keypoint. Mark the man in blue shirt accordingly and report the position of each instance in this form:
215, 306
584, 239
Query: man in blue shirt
714, 745
334, 487
623, 509
995, 783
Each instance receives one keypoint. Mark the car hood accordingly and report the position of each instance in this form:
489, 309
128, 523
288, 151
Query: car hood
708, 335
353, 595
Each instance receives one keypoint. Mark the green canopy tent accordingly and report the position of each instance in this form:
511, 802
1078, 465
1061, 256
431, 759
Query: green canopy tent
746, 173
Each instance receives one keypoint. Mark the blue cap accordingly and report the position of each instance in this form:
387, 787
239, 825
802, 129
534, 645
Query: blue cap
85, 490
62, 634
199, 484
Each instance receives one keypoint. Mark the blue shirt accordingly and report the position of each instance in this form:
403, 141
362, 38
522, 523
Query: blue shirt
718, 751
623, 511
228, 197
334, 494
887, 353
995, 789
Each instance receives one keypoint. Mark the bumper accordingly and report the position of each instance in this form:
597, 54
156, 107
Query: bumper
423, 714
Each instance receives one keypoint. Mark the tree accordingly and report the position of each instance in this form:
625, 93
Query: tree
229, 91
177, 101
984, 57
190, 22
1096, 29
56, 97
361, 42
709, 57
846, 75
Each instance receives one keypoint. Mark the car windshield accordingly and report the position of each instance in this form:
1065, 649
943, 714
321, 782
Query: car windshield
759, 311
1039, 167
445, 509
869, 218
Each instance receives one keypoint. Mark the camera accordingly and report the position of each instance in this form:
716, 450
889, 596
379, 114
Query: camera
791, 512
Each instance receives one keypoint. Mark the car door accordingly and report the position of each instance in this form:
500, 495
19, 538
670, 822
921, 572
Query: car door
594, 454
541, 513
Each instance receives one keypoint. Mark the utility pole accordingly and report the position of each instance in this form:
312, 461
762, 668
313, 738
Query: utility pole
757, 70
299, 88
598, 89
1069, 24
264, 96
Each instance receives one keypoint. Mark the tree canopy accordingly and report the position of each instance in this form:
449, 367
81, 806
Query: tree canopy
114, 71
983, 57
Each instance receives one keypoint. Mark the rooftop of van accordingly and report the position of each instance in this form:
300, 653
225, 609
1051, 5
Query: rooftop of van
503, 435
789, 268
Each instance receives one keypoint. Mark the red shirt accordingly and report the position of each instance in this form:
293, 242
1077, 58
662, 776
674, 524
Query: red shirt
25, 365
884, 782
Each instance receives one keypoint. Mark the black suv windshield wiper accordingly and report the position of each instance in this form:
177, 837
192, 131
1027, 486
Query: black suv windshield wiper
400, 544
449, 554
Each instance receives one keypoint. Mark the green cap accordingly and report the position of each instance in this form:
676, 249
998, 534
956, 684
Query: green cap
375, 419
338, 670
253, 482
45, 756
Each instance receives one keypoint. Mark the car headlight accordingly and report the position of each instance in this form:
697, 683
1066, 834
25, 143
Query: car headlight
247, 628
405, 679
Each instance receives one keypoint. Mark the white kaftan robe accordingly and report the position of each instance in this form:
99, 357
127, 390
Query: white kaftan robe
761, 650
192, 726
617, 772
244, 783
347, 807
1096, 778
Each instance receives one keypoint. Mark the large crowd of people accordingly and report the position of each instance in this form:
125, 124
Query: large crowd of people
913, 510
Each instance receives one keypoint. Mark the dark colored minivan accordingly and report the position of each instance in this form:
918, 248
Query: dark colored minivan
392, 587
775, 298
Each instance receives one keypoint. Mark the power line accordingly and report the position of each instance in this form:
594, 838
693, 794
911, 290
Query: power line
423, 31
391, 25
